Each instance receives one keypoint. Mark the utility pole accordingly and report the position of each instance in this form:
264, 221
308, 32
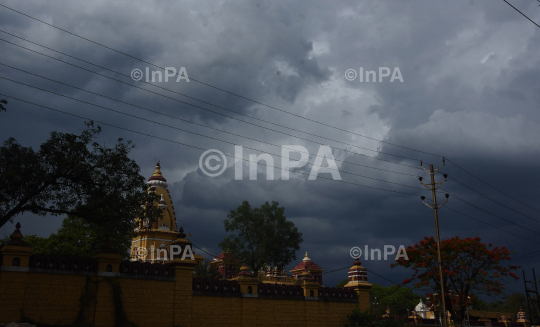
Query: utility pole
433, 187
531, 293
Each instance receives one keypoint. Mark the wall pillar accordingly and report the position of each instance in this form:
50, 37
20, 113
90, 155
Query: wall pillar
14, 270
486, 321
108, 260
522, 318
309, 284
358, 282
183, 262
249, 284
16, 252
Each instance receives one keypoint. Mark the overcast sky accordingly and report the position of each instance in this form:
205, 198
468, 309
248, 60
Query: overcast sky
466, 86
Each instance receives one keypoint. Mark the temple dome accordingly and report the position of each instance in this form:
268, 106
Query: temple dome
157, 178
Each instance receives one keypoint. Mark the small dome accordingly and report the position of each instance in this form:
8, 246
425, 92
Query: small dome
162, 204
157, 178
421, 307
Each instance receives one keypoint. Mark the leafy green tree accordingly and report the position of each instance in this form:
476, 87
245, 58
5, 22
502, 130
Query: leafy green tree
77, 237
398, 298
2, 108
73, 175
206, 270
509, 303
4, 240
261, 235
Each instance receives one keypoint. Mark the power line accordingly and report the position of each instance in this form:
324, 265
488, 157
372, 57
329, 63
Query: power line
522, 13
203, 250
212, 138
226, 109
190, 122
217, 88
187, 96
350, 173
488, 197
212, 111
257, 150
503, 230
527, 256
233, 143
210, 103
493, 187
331, 271
393, 282
251, 148
492, 214
238, 158
199, 148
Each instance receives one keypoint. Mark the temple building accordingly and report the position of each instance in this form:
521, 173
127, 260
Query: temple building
160, 234
227, 264
311, 267
272, 276
423, 311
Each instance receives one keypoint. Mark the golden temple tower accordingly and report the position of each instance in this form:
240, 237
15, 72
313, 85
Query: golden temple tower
152, 238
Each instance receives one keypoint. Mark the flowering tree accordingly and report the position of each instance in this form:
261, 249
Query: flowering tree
468, 266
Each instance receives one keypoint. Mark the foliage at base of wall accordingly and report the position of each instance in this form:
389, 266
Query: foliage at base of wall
397, 297
360, 318
120, 317
78, 238
87, 301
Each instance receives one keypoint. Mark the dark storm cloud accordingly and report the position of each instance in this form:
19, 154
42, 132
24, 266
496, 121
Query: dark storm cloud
470, 93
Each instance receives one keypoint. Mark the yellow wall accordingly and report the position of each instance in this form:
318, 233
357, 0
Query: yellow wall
55, 299
222, 311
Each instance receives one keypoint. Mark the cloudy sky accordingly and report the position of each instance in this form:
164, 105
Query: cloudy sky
271, 75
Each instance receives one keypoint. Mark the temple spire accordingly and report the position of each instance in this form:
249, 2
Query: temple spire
157, 179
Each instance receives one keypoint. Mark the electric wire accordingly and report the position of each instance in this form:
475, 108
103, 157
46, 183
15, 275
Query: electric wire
221, 114
535, 23
299, 116
503, 230
331, 271
211, 255
220, 140
217, 88
255, 149
493, 187
190, 97
199, 148
210, 137
527, 256
190, 122
488, 197
226, 109
218, 106
112, 49
492, 214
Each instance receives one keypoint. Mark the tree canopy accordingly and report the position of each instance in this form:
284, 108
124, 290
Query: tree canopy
468, 266
73, 175
262, 235
78, 237
509, 303
397, 297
